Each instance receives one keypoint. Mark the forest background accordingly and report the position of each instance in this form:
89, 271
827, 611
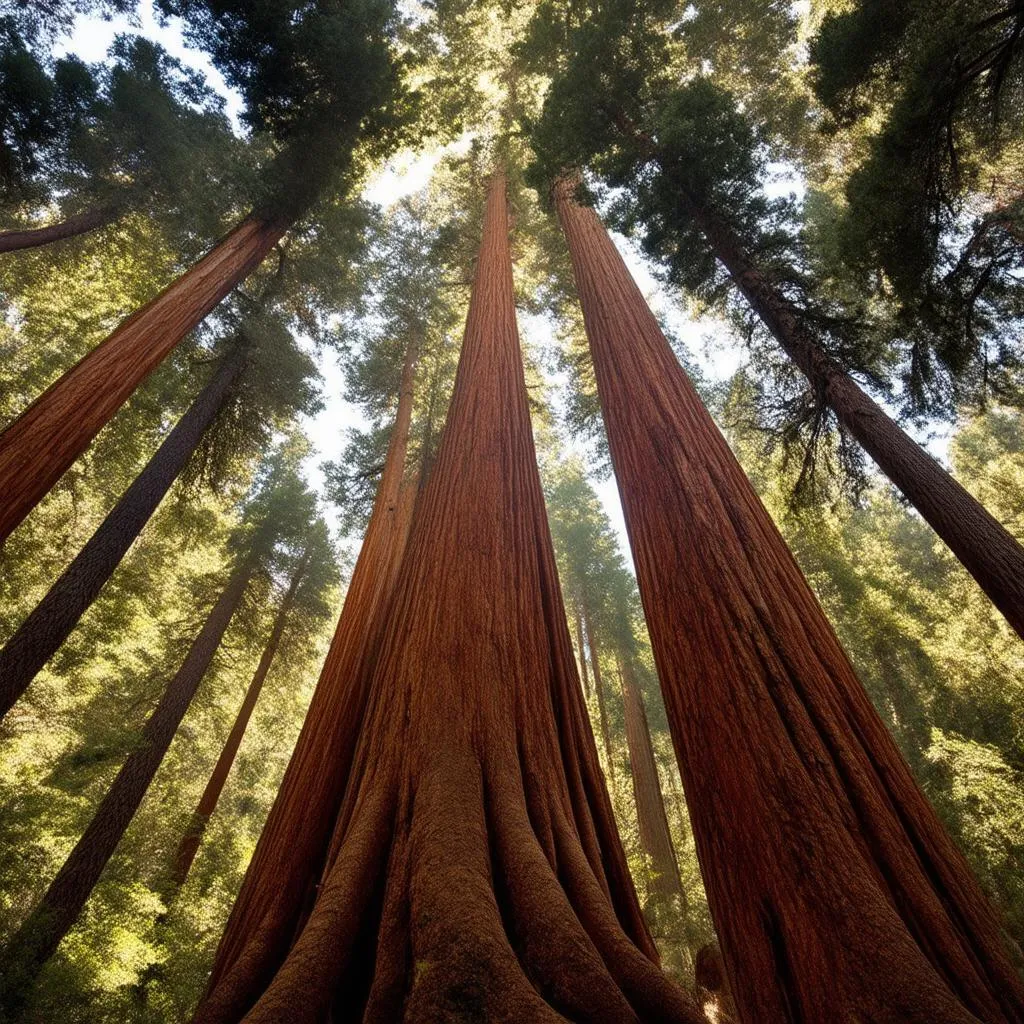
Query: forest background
941, 665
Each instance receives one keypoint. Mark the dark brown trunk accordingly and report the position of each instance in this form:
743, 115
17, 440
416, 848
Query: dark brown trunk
602, 709
79, 224
292, 849
475, 872
985, 547
582, 649
836, 893
189, 845
650, 804
43, 442
709, 974
53, 619
40, 934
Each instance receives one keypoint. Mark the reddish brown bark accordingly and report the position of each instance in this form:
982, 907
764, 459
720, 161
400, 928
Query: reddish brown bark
189, 845
37, 448
650, 804
40, 934
602, 708
836, 893
70, 227
290, 855
475, 872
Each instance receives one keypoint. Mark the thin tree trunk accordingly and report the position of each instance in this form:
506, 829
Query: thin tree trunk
581, 647
836, 893
40, 934
70, 227
43, 442
289, 857
189, 845
57, 614
650, 804
602, 710
474, 872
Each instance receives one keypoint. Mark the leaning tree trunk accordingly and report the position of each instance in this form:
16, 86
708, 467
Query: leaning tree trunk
475, 872
650, 804
57, 614
40, 934
70, 227
189, 845
580, 646
37, 448
836, 893
290, 855
602, 707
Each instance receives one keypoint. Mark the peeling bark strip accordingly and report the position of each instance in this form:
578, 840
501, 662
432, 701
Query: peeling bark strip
835, 891
40, 934
80, 224
57, 614
289, 858
189, 845
475, 872
39, 446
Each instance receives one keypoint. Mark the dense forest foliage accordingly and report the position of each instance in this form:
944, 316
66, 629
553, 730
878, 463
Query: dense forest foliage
314, 580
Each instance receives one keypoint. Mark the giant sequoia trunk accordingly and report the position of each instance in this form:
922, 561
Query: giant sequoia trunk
41, 933
474, 872
78, 224
37, 448
602, 707
189, 845
57, 614
836, 893
650, 804
292, 849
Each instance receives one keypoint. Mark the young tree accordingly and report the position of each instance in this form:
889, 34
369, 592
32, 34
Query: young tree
338, 54
443, 856
691, 172
833, 887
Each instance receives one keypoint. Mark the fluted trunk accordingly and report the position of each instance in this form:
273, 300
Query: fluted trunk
42, 443
474, 872
189, 845
71, 227
57, 614
835, 891
40, 934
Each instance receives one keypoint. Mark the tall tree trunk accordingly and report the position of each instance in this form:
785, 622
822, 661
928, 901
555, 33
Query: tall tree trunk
70, 227
283, 874
581, 647
40, 934
57, 614
40, 445
189, 845
650, 804
836, 893
602, 708
474, 872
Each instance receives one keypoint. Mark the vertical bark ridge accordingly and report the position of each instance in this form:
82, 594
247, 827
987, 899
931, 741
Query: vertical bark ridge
42, 443
825, 866
475, 687
53, 619
189, 845
41, 933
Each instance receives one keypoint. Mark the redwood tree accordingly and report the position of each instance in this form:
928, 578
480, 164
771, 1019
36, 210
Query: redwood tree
835, 891
474, 869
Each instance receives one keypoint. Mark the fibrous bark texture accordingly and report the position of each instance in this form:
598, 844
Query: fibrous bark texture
835, 891
57, 614
70, 227
286, 867
37, 448
40, 934
650, 804
189, 845
475, 872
